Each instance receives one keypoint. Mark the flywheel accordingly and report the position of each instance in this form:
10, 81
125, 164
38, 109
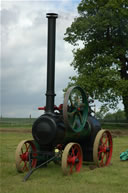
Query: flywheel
75, 108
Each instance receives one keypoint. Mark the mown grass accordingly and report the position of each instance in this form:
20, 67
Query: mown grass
116, 126
111, 179
16, 122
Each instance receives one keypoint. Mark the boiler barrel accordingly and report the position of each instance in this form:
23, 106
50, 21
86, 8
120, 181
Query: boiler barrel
49, 130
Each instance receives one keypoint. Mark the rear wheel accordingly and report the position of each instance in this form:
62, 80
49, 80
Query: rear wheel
102, 149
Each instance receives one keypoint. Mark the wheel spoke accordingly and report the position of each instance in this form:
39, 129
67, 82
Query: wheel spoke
101, 140
70, 99
71, 167
80, 117
102, 158
25, 163
74, 123
78, 153
71, 114
99, 154
106, 140
78, 122
28, 147
107, 156
72, 151
25, 146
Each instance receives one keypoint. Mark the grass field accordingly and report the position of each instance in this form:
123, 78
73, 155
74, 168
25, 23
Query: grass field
27, 123
111, 179
112, 125
16, 122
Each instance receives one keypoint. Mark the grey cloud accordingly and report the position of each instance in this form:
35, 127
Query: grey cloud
24, 58
9, 17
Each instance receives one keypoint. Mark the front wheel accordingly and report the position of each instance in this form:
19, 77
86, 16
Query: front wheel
25, 156
72, 158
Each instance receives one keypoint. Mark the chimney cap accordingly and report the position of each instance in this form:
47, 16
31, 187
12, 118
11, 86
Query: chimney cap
52, 15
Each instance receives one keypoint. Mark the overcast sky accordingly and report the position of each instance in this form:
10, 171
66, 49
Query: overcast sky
24, 54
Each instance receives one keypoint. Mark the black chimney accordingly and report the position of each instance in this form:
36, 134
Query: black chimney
51, 61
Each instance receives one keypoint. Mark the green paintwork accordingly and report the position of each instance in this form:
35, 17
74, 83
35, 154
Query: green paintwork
78, 109
71, 136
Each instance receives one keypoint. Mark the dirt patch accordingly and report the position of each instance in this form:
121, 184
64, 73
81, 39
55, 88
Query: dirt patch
8, 130
119, 133
115, 133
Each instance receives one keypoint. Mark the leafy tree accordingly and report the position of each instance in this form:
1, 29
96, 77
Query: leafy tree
102, 112
117, 116
100, 38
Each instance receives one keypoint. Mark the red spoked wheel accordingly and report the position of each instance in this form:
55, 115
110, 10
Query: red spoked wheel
102, 149
25, 156
72, 158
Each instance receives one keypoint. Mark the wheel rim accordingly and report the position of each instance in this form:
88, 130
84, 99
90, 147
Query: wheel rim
25, 156
75, 109
72, 158
102, 149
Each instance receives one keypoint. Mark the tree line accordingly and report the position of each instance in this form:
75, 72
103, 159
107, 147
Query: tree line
115, 116
100, 38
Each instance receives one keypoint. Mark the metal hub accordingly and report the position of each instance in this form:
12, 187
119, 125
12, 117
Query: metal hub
25, 156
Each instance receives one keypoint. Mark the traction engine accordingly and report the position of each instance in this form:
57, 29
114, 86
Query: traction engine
68, 134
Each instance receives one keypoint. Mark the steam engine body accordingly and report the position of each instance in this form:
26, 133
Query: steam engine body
52, 129
70, 128
49, 130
